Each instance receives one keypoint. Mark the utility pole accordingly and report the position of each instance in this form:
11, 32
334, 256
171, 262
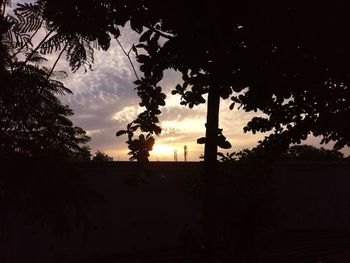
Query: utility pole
185, 153
175, 155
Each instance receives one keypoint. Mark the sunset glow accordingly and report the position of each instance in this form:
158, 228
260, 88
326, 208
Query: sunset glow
160, 149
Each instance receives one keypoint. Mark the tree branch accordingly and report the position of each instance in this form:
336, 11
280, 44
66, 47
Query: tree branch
3, 3
160, 33
30, 39
128, 55
59, 56
38, 46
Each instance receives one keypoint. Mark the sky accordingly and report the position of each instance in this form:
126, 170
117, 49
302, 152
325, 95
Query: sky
104, 101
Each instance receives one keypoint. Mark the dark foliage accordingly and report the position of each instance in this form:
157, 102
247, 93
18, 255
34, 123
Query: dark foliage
267, 51
33, 120
139, 148
83, 155
101, 157
309, 153
295, 153
37, 139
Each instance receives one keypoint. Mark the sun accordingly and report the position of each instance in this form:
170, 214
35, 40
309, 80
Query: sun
161, 149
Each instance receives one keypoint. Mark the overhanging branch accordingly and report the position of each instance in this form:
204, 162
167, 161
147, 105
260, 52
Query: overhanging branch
128, 56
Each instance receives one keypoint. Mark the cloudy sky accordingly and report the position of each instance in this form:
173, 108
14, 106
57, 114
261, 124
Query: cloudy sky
104, 101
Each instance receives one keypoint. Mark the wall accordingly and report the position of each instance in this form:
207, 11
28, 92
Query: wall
150, 217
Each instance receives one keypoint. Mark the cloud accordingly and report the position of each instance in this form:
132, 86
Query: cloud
103, 99
105, 102
128, 113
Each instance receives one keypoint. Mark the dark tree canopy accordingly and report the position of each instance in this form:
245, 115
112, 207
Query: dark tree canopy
33, 121
291, 57
295, 153
309, 153
37, 184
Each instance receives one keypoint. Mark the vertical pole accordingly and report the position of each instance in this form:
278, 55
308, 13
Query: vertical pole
209, 174
175, 155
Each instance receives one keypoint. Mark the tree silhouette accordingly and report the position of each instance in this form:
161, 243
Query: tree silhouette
37, 139
101, 157
83, 155
33, 120
309, 153
286, 59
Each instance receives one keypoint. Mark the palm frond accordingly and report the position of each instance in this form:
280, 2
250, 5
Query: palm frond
3, 5
13, 35
53, 44
56, 74
58, 88
59, 74
30, 16
80, 54
35, 57
22, 40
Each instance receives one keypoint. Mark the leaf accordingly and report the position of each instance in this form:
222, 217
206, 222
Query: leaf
136, 26
221, 155
232, 154
115, 32
138, 82
232, 106
178, 87
142, 58
121, 132
146, 36
104, 41
134, 49
141, 45
225, 145
201, 140
134, 128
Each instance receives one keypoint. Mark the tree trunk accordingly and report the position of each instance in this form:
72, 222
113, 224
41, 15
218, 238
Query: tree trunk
210, 173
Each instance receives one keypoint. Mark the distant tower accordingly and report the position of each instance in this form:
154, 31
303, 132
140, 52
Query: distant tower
185, 153
175, 155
